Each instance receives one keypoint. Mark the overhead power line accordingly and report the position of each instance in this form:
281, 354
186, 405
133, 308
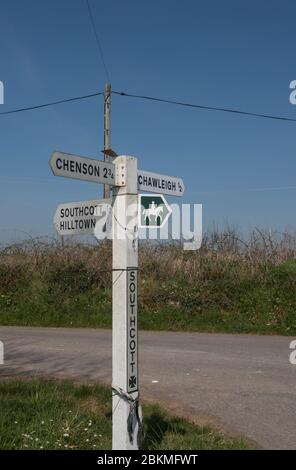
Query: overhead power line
52, 103
153, 99
97, 39
209, 108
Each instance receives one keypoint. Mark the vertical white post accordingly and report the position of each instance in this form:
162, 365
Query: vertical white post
125, 417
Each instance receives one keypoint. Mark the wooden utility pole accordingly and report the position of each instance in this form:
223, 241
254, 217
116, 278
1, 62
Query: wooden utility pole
107, 137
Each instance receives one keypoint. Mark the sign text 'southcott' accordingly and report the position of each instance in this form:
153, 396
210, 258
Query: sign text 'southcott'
132, 330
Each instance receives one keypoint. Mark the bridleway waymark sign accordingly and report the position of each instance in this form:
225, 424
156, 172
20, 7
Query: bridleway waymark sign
154, 210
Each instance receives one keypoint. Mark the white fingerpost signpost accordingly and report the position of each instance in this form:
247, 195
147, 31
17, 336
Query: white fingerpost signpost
125, 381
77, 218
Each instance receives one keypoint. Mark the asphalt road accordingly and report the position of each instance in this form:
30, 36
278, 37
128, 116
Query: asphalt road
243, 384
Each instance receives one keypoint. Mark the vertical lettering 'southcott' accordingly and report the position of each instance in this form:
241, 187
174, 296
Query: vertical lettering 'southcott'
132, 330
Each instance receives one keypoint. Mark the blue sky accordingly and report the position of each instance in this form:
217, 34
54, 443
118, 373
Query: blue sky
226, 53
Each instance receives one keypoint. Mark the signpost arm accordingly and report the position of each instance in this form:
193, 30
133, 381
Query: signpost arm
125, 407
107, 137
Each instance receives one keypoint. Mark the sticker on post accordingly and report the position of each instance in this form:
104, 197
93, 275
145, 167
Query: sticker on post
154, 210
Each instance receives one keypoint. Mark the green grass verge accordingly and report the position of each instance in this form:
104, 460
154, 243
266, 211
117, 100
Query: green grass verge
38, 414
177, 291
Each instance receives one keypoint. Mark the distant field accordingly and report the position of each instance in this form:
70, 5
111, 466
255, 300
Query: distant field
230, 285
38, 415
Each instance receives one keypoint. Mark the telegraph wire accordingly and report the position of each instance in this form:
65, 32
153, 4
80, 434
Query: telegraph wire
153, 99
97, 39
199, 106
52, 103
